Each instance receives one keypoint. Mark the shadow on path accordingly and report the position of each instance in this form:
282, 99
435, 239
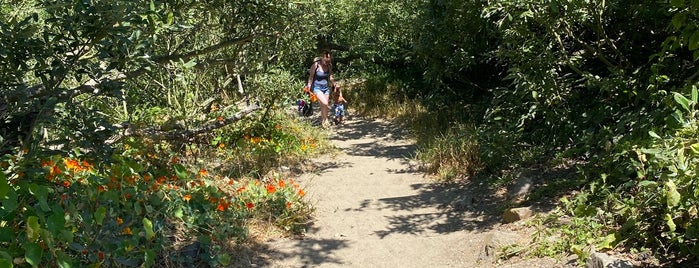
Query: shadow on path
464, 206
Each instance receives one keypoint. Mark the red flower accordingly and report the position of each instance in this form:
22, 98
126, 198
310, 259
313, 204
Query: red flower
270, 188
249, 205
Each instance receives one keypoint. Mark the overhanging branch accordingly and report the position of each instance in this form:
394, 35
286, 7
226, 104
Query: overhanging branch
180, 134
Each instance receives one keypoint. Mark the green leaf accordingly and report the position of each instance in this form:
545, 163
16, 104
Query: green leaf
180, 171
148, 227
677, 3
41, 193
682, 101
671, 194
654, 135
679, 20
4, 185
223, 259
178, 213
6, 234
607, 242
149, 258
670, 223
695, 94
33, 254
647, 184
100, 214
33, 228
5, 260
694, 41
56, 222
63, 260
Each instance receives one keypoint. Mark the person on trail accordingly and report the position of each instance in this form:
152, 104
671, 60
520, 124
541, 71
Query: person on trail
319, 82
338, 106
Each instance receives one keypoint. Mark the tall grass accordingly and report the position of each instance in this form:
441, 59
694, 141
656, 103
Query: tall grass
446, 146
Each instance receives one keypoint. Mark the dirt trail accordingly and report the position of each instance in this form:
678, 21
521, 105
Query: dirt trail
375, 210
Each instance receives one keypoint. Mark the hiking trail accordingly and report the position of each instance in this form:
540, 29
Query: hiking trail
374, 209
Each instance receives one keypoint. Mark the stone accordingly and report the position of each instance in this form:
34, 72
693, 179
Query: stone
493, 242
516, 214
601, 260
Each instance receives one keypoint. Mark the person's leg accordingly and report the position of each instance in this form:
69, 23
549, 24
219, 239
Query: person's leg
323, 99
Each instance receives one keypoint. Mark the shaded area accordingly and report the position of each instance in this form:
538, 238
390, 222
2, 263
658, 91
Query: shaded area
465, 206
309, 252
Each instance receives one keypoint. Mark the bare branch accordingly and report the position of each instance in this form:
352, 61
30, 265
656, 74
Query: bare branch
179, 134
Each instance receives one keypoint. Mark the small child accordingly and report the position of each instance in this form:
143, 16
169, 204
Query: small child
339, 106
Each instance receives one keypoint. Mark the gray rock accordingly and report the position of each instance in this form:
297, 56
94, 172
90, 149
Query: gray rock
493, 242
601, 260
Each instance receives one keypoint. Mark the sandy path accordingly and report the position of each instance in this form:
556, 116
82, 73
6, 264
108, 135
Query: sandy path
375, 210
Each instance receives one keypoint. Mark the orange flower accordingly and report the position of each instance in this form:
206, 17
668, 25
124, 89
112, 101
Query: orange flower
231, 181
127, 231
161, 179
241, 189
146, 177
281, 184
270, 188
278, 127
45, 163
301, 192
100, 188
66, 184
249, 205
187, 197
220, 118
174, 160
203, 172
221, 145
288, 205
87, 165
54, 171
119, 220
256, 140
193, 184
72, 164
246, 137
220, 207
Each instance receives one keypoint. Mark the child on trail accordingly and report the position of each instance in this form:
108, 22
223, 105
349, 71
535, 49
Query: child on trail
338, 106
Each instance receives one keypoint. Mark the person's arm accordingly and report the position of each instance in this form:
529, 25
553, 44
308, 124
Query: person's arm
311, 74
332, 79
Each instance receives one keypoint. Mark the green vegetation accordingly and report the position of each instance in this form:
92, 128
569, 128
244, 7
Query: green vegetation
99, 97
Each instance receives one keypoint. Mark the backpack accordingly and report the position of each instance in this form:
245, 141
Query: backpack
305, 108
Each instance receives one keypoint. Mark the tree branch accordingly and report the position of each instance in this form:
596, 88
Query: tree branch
179, 134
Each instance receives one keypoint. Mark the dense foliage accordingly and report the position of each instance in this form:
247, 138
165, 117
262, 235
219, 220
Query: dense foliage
131, 129
611, 85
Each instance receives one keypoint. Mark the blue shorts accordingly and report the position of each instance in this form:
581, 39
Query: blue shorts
321, 90
339, 109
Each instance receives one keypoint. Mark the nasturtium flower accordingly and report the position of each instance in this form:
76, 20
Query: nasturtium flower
203, 172
302, 192
127, 231
72, 164
187, 197
281, 183
119, 220
288, 205
249, 205
270, 188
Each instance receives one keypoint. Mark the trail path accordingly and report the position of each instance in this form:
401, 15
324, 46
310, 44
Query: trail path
373, 209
